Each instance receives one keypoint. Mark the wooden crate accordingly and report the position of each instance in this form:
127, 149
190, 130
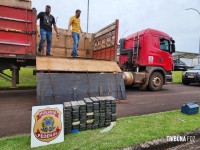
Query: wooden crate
17, 3
65, 41
63, 46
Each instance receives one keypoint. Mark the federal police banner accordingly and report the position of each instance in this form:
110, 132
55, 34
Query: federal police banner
47, 125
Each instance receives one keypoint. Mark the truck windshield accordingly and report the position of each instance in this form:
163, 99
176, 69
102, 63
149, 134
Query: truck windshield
164, 45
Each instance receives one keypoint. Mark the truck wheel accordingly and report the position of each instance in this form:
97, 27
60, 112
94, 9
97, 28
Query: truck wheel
156, 81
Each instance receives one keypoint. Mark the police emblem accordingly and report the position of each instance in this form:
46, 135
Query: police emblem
48, 124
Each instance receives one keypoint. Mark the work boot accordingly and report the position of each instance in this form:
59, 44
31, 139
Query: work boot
49, 55
73, 55
39, 53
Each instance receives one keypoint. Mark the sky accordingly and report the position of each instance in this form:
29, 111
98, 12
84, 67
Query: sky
168, 16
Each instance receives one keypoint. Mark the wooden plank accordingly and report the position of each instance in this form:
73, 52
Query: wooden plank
105, 30
17, 3
75, 65
63, 52
105, 42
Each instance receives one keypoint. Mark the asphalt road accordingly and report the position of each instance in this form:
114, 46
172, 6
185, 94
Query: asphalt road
15, 106
15, 112
172, 97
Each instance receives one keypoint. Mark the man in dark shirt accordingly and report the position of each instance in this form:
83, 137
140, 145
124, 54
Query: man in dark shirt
46, 22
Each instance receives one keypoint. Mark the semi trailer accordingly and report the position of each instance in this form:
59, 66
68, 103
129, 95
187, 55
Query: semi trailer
145, 58
60, 78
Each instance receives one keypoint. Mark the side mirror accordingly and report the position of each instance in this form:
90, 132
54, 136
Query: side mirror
172, 40
173, 48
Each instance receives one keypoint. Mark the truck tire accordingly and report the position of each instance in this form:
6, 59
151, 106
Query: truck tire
156, 81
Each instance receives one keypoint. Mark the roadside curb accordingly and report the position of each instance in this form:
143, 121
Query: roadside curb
162, 143
17, 89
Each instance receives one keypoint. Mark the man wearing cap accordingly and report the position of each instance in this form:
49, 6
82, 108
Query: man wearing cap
46, 22
76, 29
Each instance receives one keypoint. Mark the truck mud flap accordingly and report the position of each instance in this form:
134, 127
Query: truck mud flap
56, 88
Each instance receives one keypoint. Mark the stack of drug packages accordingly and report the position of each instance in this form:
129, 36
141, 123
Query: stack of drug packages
90, 113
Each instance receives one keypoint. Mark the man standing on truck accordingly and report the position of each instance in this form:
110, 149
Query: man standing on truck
76, 29
46, 22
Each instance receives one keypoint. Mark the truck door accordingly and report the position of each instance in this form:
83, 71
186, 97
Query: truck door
165, 58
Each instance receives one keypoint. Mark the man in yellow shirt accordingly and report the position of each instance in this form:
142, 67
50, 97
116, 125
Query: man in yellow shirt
76, 30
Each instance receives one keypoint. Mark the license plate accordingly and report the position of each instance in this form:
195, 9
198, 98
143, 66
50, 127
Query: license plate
190, 76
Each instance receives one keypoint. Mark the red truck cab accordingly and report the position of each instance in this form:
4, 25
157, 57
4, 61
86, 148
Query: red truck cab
145, 54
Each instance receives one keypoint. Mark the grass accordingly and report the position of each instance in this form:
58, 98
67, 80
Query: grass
128, 132
177, 76
26, 78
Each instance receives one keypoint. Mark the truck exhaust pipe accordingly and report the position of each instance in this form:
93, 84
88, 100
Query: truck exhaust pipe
128, 78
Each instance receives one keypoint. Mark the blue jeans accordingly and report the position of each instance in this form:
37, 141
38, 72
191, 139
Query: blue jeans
45, 36
76, 38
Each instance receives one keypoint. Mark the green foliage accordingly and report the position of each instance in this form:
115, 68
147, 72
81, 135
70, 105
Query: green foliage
128, 131
26, 78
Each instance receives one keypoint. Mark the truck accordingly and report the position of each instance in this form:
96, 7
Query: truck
146, 59
59, 78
